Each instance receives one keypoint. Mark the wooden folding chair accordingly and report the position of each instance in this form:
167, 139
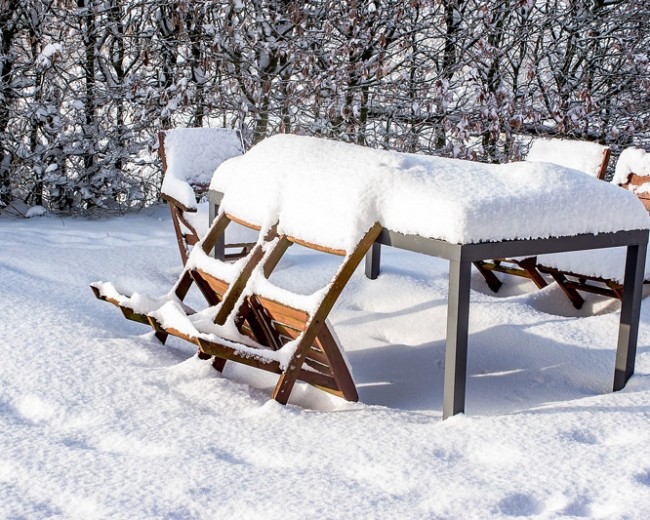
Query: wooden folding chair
315, 355
572, 283
189, 158
592, 158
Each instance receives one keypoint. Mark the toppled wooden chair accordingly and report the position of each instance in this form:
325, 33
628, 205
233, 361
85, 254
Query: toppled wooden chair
265, 326
598, 272
297, 342
591, 158
189, 158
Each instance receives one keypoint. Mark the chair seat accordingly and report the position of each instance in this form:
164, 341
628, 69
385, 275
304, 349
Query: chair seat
324, 365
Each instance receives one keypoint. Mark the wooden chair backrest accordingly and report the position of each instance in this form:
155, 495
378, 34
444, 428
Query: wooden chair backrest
215, 145
317, 346
560, 151
198, 182
286, 323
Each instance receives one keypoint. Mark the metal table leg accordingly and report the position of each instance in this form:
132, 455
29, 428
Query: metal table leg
220, 246
630, 310
373, 260
456, 344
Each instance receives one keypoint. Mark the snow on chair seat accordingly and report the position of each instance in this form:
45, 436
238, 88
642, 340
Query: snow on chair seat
134, 306
601, 271
587, 157
189, 158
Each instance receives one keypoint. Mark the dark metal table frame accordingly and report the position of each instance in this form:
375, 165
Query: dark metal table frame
460, 258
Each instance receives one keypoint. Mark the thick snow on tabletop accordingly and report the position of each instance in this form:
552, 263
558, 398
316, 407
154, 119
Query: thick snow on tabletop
255, 195
579, 155
632, 160
192, 155
332, 192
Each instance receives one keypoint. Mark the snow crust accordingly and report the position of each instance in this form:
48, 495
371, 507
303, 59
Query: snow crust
583, 156
331, 193
192, 155
98, 420
632, 160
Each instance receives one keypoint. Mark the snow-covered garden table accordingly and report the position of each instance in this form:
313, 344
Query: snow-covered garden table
453, 209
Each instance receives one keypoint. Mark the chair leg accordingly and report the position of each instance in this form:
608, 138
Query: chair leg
289, 377
573, 295
491, 279
218, 364
616, 288
530, 266
182, 244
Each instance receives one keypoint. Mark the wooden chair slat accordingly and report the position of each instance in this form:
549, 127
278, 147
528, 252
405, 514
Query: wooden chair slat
241, 222
322, 368
316, 247
285, 330
219, 287
246, 358
635, 180
318, 354
283, 314
323, 381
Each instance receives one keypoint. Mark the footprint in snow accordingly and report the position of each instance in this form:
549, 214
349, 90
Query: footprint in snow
582, 437
580, 507
519, 504
644, 478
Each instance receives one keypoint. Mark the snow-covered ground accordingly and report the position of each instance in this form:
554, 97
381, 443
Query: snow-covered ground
97, 420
